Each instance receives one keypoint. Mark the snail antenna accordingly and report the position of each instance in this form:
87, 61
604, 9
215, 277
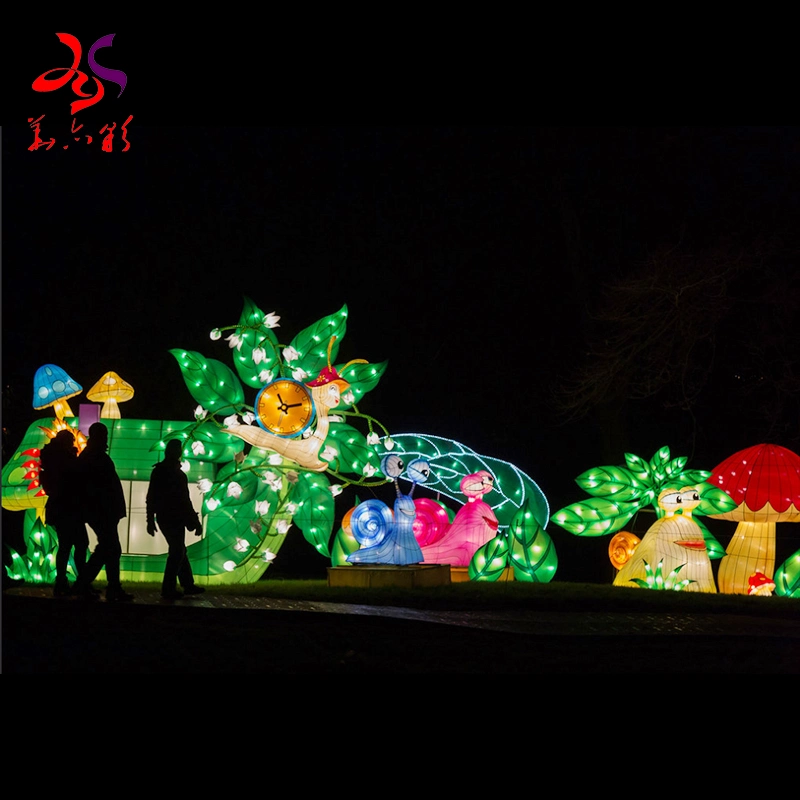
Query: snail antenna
352, 361
330, 347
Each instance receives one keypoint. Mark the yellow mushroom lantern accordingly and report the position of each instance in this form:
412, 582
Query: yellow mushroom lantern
110, 390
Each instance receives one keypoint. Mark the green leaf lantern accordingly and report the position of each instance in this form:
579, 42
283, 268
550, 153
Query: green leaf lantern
713, 500
363, 378
655, 579
595, 517
638, 467
38, 565
205, 441
210, 382
614, 482
256, 356
787, 577
658, 465
353, 454
315, 509
311, 345
344, 542
532, 553
490, 560
714, 548
450, 461
247, 520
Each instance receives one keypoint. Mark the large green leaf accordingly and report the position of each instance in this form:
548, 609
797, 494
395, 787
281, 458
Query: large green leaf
451, 461
210, 382
658, 465
315, 509
311, 344
714, 548
787, 577
235, 489
638, 466
713, 500
532, 553
344, 544
255, 337
693, 477
617, 482
595, 517
489, 560
363, 378
353, 452
675, 467
219, 447
39, 563
238, 532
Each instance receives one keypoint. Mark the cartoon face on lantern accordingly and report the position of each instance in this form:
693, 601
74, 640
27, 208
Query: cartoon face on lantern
392, 466
683, 502
674, 545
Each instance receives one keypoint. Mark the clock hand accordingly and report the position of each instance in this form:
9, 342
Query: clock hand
292, 405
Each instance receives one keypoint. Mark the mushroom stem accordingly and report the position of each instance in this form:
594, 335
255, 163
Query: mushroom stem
752, 549
62, 409
110, 409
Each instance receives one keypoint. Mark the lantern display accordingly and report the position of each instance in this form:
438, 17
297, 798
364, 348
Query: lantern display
619, 492
110, 390
764, 483
475, 524
387, 537
518, 543
672, 554
52, 387
261, 467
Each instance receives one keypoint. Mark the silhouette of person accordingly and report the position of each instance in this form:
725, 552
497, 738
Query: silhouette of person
104, 508
170, 507
59, 478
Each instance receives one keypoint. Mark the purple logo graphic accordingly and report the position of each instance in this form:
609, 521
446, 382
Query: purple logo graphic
114, 75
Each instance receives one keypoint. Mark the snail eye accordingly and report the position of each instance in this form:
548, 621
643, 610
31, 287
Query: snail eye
678, 499
695, 496
392, 465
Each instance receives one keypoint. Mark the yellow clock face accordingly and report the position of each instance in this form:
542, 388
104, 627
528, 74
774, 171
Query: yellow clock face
284, 407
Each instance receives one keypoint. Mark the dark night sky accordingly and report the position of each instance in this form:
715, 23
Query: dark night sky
450, 245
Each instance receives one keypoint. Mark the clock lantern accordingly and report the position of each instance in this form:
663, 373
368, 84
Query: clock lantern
285, 407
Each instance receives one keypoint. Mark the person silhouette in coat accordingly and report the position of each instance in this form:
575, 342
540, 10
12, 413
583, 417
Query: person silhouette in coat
169, 507
59, 478
104, 507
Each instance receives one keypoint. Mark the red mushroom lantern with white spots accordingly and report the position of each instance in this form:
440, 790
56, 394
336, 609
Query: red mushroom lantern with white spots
764, 480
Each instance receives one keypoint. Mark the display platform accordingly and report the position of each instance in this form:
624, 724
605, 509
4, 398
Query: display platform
373, 576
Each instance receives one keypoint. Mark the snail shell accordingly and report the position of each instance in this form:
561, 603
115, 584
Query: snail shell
370, 522
621, 547
431, 521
